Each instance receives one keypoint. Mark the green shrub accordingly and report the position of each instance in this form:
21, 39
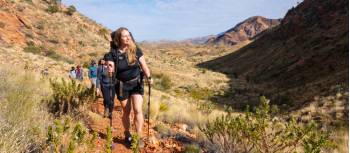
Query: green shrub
93, 54
52, 54
53, 9
29, 1
192, 149
81, 43
62, 138
109, 139
134, 143
201, 93
40, 25
103, 31
260, 131
161, 82
71, 10
206, 107
57, 57
31, 48
69, 96
162, 129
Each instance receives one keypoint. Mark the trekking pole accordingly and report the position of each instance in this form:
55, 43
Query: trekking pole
149, 106
110, 113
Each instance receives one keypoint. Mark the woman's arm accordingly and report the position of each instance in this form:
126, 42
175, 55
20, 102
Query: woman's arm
144, 67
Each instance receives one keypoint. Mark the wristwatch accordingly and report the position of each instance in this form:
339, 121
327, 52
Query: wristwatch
149, 78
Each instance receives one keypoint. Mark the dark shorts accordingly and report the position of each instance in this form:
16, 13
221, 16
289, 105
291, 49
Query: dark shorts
130, 88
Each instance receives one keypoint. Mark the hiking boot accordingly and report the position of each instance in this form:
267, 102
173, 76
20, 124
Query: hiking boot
127, 137
106, 113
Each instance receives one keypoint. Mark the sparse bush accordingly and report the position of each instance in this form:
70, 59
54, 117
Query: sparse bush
162, 129
86, 64
54, 41
162, 82
57, 57
260, 131
52, 54
81, 43
31, 48
62, 138
71, 10
29, 2
192, 149
206, 107
40, 25
53, 9
93, 54
103, 32
69, 96
201, 93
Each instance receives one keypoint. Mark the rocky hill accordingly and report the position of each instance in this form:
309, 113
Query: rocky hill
244, 31
305, 56
49, 32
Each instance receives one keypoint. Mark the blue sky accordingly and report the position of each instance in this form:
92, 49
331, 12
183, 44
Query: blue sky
177, 19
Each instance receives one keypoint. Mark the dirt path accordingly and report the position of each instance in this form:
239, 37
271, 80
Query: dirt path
96, 122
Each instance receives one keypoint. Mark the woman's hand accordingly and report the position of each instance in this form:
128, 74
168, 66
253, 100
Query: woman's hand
149, 81
98, 92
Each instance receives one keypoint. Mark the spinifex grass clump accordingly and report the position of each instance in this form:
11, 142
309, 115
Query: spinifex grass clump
69, 96
162, 81
23, 118
67, 137
262, 131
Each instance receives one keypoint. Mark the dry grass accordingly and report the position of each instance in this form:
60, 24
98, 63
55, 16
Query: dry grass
178, 110
23, 118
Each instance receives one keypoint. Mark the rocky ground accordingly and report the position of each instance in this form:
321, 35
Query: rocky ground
155, 144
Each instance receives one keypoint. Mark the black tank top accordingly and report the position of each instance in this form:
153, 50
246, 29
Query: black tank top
126, 72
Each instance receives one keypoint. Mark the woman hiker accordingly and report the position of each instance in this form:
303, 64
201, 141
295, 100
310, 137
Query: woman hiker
130, 68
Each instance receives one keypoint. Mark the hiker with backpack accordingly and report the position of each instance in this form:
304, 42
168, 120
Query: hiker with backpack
107, 87
79, 73
93, 73
72, 74
101, 67
130, 70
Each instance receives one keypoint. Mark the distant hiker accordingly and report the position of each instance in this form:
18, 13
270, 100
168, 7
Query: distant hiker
79, 73
93, 73
72, 73
130, 68
101, 67
107, 87
45, 72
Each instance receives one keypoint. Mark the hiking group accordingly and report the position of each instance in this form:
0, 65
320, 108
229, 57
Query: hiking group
121, 73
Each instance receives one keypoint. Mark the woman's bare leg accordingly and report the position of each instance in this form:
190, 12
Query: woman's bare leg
137, 100
126, 114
